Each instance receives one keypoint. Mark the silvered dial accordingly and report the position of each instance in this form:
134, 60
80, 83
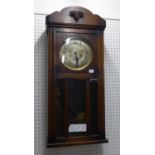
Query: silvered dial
76, 53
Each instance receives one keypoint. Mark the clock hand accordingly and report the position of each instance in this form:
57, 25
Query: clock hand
76, 58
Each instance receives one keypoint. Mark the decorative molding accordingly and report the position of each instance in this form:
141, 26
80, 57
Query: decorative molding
76, 15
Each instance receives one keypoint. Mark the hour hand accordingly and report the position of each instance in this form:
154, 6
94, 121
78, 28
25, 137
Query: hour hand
76, 59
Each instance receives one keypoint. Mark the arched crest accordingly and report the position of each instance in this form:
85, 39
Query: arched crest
75, 16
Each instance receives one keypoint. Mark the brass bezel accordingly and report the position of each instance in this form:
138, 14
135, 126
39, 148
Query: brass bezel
91, 53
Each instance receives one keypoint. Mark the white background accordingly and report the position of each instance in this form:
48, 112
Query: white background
105, 8
137, 77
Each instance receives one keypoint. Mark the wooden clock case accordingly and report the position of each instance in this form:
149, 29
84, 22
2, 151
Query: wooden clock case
75, 97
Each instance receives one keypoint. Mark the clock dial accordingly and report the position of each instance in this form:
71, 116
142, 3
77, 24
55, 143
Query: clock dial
76, 53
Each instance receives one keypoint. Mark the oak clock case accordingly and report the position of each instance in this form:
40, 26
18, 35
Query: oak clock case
76, 104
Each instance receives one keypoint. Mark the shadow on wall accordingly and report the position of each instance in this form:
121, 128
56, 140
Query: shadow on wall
41, 107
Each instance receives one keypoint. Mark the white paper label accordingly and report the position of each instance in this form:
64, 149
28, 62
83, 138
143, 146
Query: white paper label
77, 128
91, 71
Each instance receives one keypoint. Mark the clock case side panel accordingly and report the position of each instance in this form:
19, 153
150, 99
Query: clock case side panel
101, 87
51, 89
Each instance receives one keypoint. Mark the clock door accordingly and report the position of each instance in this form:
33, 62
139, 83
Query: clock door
76, 107
76, 75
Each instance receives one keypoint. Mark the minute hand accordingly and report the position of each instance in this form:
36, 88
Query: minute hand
76, 59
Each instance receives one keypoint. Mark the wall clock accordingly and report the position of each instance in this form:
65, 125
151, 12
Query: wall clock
76, 107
